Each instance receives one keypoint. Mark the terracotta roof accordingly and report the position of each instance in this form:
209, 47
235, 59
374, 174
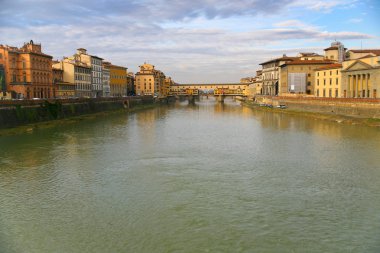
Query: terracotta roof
366, 56
307, 62
366, 51
286, 58
331, 66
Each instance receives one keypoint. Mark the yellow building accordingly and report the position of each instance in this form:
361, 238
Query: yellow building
118, 79
298, 76
361, 77
328, 81
149, 81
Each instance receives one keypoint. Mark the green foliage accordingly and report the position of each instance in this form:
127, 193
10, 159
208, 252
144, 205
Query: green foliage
53, 110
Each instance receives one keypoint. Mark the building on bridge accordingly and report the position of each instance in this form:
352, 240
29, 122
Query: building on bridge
227, 89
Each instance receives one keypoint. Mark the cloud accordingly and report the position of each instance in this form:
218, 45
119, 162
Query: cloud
175, 36
355, 20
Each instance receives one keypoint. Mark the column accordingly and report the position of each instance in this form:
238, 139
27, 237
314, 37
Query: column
359, 85
354, 86
367, 86
349, 91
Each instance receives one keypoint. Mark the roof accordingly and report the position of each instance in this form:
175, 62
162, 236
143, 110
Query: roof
366, 56
284, 58
309, 54
308, 62
331, 66
366, 51
110, 65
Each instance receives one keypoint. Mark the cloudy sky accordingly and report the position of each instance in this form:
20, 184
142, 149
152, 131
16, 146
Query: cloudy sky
194, 40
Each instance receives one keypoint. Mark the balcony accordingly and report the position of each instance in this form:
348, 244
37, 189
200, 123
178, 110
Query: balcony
20, 83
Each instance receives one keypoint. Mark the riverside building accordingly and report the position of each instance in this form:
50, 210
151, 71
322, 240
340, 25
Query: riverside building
361, 77
328, 81
95, 63
298, 76
118, 79
77, 72
271, 74
25, 72
149, 81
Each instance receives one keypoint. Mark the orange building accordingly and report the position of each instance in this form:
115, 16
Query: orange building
27, 71
118, 79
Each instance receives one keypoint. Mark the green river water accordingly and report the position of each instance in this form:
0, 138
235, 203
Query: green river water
207, 177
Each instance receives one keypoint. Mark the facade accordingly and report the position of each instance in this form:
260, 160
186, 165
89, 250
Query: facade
361, 77
271, 74
118, 79
149, 81
336, 52
298, 76
78, 73
328, 81
106, 81
63, 89
26, 72
95, 63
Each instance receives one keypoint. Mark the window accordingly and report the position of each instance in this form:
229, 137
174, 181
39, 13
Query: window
1, 56
14, 77
317, 93
309, 75
324, 81
324, 93
330, 93
308, 83
330, 81
317, 82
336, 81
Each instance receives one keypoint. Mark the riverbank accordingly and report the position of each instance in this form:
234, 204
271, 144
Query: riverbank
333, 117
131, 105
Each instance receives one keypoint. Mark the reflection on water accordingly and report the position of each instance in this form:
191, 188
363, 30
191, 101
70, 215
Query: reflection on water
191, 178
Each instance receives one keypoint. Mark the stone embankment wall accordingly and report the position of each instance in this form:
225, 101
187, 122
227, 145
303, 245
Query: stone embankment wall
20, 112
361, 107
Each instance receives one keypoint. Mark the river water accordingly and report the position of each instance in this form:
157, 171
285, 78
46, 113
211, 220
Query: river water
207, 177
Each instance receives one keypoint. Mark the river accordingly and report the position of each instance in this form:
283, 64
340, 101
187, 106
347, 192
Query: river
207, 177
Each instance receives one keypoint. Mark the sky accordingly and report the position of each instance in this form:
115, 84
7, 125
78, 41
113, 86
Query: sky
193, 41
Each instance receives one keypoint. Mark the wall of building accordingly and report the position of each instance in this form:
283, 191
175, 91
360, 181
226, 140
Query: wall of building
328, 83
